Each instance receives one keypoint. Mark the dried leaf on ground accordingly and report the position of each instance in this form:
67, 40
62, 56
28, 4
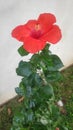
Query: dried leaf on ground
21, 99
9, 111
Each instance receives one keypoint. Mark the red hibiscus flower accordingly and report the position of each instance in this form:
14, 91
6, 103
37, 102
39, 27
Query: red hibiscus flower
35, 33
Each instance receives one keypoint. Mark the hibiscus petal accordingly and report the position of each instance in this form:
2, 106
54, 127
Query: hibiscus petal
31, 24
46, 21
33, 45
20, 32
53, 36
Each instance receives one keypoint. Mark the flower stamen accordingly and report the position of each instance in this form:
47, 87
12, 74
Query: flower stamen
37, 27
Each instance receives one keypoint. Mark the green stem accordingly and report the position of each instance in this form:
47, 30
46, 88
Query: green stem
43, 78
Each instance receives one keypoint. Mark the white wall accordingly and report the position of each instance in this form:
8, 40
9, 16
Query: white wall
15, 12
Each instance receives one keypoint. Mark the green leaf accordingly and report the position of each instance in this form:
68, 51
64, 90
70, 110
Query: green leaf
22, 51
37, 79
48, 91
35, 60
52, 76
56, 61
19, 128
20, 91
32, 104
18, 119
12, 128
65, 128
32, 80
25, 81
23, 129
29, 91
24, 69
42, 94
52, 62
55, 112
30, 117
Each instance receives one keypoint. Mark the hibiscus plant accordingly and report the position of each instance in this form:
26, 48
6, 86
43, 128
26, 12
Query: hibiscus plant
38, 110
